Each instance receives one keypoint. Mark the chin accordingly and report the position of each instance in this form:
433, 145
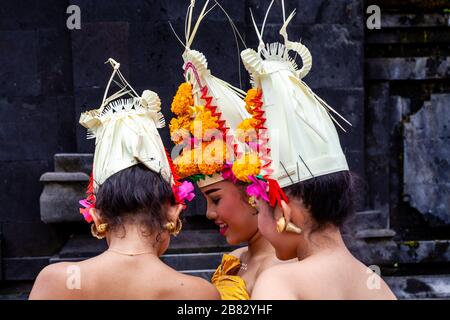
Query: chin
233, 241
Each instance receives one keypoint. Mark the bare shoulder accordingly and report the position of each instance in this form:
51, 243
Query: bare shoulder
189, 287
238, 252
274, 283
51, 283
272, 261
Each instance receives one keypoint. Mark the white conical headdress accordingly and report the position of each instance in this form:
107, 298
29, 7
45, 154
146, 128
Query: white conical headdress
126, 133
302, 141
216, 97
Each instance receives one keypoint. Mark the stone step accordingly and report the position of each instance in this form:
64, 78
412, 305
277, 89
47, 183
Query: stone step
185, 262
61, 194
375, 234
418, 36
371, 219
188, 241
74, 162
420, 286
414, 68
401, 20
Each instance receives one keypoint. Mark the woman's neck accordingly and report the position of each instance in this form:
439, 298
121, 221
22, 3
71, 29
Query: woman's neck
130, 240
258, 245
323, 241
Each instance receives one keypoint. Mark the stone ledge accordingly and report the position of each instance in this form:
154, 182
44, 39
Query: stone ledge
420, 287
375, 233
59, 201
65, 177
417, 68
389, 253
74, 162
395, 20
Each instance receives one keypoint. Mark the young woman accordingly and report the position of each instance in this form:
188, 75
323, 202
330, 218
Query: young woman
207, 110
138, 209
309, 185
228, 207
325, 269
134, 202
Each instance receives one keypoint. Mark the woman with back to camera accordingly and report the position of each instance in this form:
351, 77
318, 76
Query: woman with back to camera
135, 203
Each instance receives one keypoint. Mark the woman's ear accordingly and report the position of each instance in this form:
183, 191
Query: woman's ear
95, 216
174, 212
286, 211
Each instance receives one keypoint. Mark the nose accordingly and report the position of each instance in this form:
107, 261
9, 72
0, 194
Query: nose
211, 214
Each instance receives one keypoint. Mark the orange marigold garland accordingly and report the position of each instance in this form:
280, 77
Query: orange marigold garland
183, 100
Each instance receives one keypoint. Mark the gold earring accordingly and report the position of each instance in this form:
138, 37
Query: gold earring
100, 232
290, 227
252, 201
173, 229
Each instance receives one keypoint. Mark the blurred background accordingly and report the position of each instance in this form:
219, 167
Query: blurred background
391, 81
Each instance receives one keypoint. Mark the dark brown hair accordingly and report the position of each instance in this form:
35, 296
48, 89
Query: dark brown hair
138, 193
329, 198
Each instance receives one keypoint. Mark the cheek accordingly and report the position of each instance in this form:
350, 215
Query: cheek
266, 223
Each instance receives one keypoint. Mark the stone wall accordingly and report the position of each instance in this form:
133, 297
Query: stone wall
407, 117
391, 84
50, 75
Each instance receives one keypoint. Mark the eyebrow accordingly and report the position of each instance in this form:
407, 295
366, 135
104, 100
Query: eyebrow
207, 192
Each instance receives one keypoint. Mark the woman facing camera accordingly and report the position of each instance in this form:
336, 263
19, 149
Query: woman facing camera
208, 110
134, 202
305, 188
228, 207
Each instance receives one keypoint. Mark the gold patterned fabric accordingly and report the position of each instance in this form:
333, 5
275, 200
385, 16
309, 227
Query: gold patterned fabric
228, 283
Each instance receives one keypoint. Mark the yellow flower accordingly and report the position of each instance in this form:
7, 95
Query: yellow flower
209, 169
252, 95
179, 128
247, 165
183, 100
203, 121
186, 164
246, 130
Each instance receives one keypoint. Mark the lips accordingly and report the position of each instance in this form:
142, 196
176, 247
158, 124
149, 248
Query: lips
223, 228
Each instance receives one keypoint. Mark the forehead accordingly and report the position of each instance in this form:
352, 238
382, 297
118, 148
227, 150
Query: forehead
218, 186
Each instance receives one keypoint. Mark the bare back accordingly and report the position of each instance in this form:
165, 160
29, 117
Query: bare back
334, 276
116, 277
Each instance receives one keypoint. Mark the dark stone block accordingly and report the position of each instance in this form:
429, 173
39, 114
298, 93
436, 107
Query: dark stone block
423, 68
74, 162
349, 102
86, 99
310, 12
33, 14
59, 201
23, 239
20, 190
122, 10
19, 59
45, 127
176, 11
156, 58
92, 46
377, 141
426, 161
55, 69
1, 253
332, 47
23, 269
